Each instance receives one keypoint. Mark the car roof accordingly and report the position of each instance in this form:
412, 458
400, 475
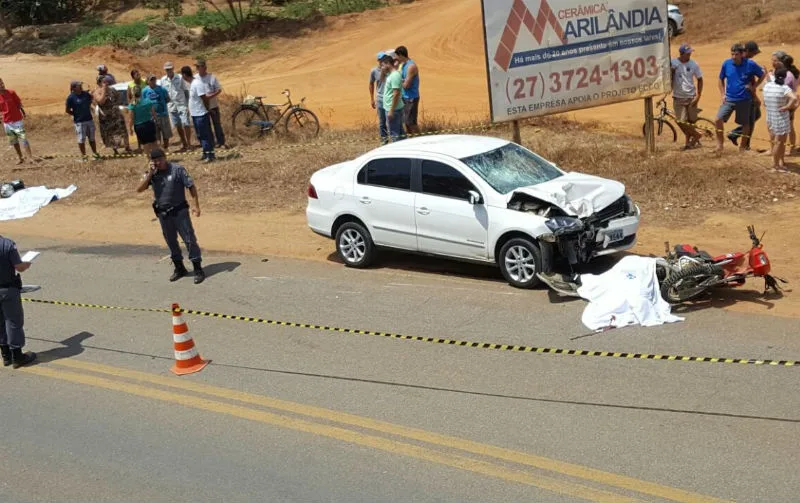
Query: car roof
452, 145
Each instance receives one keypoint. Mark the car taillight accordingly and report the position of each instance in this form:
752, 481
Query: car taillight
312, 192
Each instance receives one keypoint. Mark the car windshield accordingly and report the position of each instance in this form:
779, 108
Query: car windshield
510, 167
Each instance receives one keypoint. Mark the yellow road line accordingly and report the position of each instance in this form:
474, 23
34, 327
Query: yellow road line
583, 472
353, 437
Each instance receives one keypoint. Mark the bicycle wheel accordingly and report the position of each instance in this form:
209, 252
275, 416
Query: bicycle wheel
663, 131
247, 124
301, 125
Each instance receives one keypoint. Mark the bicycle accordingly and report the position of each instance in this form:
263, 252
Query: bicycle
664, 131
253, 119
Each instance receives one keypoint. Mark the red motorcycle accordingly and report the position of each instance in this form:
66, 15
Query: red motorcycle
686, 272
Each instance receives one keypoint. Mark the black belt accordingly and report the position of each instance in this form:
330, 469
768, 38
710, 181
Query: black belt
167, 211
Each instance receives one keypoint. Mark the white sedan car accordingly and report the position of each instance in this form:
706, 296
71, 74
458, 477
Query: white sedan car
471, 198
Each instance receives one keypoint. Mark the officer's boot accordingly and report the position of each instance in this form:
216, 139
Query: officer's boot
180, 270
18, 358
199, 275
6, 355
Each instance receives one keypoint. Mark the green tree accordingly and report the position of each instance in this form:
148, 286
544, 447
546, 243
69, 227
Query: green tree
27, 12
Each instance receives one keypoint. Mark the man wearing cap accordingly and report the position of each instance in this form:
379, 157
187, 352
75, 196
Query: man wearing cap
178, 104
214, 89
377, 77
685, 95
79, 106
736, 78
750, 51
169, 182
102, 71
393, 98
198, 108
160, 97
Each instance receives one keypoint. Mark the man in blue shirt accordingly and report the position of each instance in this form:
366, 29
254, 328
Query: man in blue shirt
736, 80
751, 50
79, 106
160, 97
410, 75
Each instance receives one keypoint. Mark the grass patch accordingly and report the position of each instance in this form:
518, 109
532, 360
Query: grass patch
275, 179
209, 19
303, 9
123, 36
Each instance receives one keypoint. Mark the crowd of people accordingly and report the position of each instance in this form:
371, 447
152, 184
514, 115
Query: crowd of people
394, 93
148, 108
740, 77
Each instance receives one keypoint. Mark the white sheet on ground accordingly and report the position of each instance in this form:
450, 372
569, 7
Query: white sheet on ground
627, 294
26, 202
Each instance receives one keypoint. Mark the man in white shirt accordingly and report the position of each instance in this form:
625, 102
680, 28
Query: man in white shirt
178, 105
686, 95
214, 89
198, 109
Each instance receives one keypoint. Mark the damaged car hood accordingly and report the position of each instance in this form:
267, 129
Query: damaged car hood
577, 194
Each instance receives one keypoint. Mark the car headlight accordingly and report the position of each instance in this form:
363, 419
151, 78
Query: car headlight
631, 206
564, 224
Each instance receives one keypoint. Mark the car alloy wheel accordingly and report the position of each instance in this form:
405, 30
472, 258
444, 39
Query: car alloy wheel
520, 264
519, 260
354, 245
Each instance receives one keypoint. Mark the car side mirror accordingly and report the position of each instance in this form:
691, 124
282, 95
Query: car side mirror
474, 197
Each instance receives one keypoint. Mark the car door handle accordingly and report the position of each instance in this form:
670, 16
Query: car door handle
423, 211
365, 200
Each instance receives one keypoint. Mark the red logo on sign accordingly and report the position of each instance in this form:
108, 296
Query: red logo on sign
519, 15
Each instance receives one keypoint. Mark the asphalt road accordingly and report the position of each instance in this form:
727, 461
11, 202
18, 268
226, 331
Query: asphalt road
293, 414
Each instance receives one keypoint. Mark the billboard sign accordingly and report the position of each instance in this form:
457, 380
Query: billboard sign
551, 56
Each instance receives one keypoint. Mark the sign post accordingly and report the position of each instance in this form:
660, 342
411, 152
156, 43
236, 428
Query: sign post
517, 137
552, 56
649, 134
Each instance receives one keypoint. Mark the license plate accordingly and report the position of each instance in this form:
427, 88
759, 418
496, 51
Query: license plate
615, 235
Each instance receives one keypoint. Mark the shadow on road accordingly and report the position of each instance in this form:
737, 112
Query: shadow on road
73, 346
423, 263
219, 267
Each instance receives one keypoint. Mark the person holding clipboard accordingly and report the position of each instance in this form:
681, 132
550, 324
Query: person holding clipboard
12, 336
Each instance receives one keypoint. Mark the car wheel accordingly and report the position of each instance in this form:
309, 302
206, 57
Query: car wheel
520, 260
673, 28
354, 245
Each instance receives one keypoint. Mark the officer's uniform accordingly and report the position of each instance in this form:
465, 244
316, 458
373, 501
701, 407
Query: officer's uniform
12, 336
172, 209
11, 314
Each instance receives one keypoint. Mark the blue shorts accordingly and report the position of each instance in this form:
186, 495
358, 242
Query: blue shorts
743, 109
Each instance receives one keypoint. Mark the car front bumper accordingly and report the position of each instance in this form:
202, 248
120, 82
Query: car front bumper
619, 235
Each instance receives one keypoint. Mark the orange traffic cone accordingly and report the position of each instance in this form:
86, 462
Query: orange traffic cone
187, 359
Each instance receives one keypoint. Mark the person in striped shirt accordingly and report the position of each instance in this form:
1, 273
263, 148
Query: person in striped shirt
779, 99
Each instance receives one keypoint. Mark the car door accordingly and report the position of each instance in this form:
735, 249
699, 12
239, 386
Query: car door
386, 203
447, 222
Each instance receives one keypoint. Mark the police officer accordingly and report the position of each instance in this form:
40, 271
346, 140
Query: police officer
12, 337
169, 182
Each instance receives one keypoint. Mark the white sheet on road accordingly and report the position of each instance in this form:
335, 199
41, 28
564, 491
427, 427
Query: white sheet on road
627, 294
26, 202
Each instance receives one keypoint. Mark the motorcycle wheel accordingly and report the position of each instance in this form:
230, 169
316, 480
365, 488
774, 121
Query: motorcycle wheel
690, 282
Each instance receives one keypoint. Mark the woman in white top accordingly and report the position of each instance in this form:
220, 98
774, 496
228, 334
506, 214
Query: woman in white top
779, 99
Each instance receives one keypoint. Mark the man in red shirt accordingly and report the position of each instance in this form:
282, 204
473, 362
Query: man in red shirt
13, 113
